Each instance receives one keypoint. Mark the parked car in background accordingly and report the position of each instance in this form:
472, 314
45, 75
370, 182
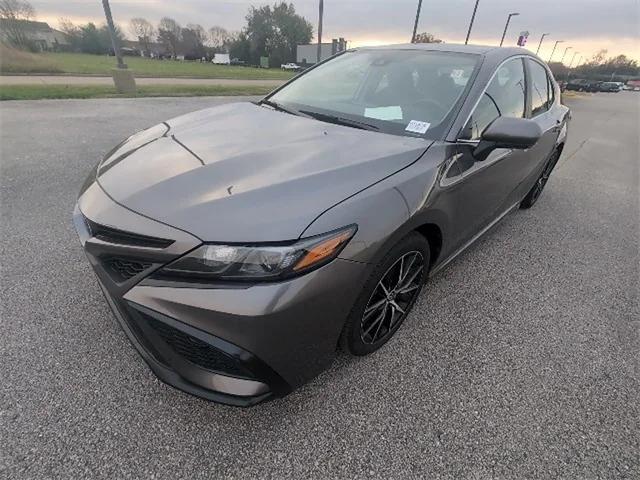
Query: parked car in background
593, 87
633, 85
290, 66
578, 84
239, 246
609, 87
238, 62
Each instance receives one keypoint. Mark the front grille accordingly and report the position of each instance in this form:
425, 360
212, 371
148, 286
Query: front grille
124, 268
196, 351
121, 237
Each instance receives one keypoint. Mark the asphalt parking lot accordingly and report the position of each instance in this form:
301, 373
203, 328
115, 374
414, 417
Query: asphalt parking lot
520, 360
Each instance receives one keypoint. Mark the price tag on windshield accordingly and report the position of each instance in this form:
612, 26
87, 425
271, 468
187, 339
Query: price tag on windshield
417, 127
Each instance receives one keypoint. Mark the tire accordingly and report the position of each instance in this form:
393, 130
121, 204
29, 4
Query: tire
409, 257
534, 194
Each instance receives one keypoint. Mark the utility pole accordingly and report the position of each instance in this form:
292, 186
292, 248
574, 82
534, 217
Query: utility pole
415, 25
565, 52
473, 17
540, 44
122, 77
554, 49
112, 34
507, 26
320, 13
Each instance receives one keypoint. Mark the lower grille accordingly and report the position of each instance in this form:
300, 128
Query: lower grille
124, 269
196, 351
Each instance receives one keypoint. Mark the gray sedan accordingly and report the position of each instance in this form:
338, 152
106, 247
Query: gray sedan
240, 246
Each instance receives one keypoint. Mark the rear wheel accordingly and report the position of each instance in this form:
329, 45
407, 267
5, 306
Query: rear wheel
535, 192
388, 296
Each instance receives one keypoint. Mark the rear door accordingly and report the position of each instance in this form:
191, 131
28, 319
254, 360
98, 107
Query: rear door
545, 111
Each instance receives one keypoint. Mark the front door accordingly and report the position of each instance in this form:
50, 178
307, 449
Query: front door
480, 191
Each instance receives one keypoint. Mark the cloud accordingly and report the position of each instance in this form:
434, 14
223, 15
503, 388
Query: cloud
587, 24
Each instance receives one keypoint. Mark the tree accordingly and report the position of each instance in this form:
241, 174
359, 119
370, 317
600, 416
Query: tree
598, 57
193, 39
290, 30
170, 34
89, 38
143, 30
426, 37
218, 37
73, 33
602, 68
275, 32
15, 15
238, 46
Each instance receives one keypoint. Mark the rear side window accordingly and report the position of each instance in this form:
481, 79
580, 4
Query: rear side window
541, 96
505, 96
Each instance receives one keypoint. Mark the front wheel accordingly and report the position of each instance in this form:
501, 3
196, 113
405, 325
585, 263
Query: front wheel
387, 297
535, 192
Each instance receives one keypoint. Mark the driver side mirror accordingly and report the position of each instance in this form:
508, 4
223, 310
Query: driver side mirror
506, 132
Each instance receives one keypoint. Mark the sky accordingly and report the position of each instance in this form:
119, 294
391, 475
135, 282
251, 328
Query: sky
584, 25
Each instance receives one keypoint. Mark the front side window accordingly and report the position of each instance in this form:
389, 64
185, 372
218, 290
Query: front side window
505, 96
540, 98
402, 92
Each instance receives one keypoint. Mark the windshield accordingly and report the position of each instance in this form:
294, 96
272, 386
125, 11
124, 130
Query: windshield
402, 92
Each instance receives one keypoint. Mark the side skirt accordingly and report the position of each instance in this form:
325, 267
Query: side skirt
453, 256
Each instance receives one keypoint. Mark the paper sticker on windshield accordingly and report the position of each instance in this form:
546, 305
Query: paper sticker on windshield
417, 127
384, 113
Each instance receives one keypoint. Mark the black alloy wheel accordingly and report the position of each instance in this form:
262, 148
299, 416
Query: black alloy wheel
388, 296
538, 187
392, 298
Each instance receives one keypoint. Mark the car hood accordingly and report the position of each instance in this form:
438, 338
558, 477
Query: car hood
246, 173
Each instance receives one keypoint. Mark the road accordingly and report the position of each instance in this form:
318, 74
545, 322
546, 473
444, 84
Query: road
519, 361
97, 80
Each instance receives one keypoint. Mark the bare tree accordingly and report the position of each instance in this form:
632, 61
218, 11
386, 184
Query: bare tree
15, 14
218, 37
170, 33
199, 33
144, 31
426, 37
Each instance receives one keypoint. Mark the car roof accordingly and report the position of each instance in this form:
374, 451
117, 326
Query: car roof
485, 50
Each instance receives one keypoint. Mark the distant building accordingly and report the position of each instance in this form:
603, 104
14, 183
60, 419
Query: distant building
40, 33
308, 54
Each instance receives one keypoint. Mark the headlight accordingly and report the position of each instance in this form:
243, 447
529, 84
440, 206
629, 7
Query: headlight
260, 262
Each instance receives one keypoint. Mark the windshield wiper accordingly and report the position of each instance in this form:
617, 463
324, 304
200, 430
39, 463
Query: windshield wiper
340, 120
279, 107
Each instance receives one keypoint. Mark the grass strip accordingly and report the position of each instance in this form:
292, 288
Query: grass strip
38, 92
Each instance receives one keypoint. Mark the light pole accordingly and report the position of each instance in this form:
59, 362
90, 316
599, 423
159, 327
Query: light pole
112, 34
554, 49
565, 52
415, 25
573, 58
571, 63
540, 44
507, 26
473, 17
320, 13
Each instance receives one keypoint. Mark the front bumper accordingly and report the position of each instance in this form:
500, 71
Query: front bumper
234, 344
